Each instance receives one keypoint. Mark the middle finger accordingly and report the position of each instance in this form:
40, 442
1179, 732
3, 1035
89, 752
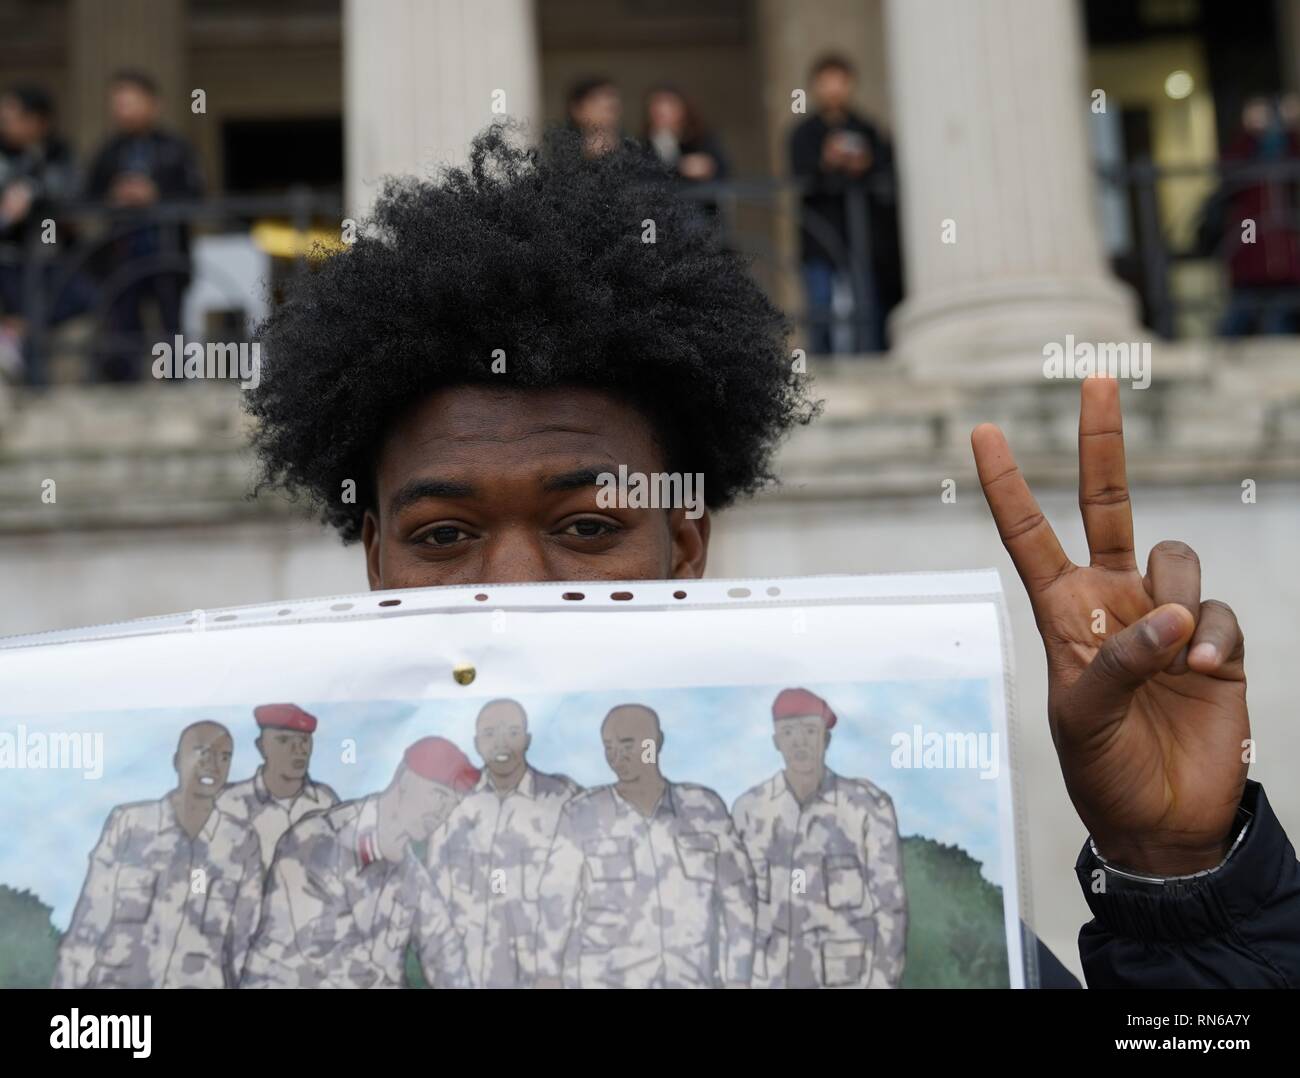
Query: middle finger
1174, 576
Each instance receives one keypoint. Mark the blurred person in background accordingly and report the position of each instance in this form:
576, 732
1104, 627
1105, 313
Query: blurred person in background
1264, 275
139, 166
676, 136
37, 173
841, 156
595, 110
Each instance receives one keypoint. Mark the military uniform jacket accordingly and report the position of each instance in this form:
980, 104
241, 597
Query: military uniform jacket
660, 901
487, 860
251, 803
338, 915
161, 910
832, 911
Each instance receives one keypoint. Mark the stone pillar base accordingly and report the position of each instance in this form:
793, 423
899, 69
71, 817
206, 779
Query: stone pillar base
995, 331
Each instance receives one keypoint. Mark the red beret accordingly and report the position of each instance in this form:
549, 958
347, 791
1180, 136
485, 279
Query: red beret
285, 717
799, 704
437, 759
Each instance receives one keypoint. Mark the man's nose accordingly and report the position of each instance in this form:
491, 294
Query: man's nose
516, 555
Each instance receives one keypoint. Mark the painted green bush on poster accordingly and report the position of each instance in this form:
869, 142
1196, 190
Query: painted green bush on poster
29, 943
955, 932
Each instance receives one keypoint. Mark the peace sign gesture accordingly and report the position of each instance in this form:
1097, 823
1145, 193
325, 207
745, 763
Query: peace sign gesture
1148, 716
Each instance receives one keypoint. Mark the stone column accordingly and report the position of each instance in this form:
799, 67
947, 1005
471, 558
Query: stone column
1288, 24
990, 108
148, 35
421, 78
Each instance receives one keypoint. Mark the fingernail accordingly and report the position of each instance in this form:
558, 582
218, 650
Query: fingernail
1204, 653
1165, 626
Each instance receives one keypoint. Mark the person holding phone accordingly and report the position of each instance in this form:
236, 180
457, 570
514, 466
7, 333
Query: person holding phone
839, 156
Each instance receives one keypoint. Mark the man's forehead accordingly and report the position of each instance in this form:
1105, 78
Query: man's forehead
510, 446
457, 423
428, 789
626, 721
800, 724
206, 737
505, 712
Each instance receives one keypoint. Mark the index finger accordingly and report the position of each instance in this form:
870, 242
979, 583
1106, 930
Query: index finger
1035, 551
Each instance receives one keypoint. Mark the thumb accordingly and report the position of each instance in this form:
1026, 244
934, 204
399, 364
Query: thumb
1129, 659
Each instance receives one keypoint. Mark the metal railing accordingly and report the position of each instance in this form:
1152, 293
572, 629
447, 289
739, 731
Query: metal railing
762, 219
1274, 234
767, 219
100, 254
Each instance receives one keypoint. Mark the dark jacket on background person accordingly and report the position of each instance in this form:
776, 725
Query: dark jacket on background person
825, 191
1273, 259
50, 170
706, 144
169, 161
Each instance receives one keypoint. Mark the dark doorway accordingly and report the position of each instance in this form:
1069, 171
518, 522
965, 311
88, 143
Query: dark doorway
262, 156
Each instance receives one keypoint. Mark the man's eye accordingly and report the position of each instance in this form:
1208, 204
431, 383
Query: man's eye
590, 529
443, 535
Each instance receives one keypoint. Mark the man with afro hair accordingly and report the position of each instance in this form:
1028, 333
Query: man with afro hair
515, 320
495, 341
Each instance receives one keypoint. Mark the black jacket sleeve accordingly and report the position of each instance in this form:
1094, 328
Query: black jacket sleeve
179, 175
806, 151
712, 145
1238, 927
101, 172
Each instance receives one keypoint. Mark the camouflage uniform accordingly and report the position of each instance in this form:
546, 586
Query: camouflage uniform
252, 804
846, 927
337, 915
161, 910
660, 901
487, 859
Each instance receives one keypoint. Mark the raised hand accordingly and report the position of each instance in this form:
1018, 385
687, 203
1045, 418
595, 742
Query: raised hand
1149, 716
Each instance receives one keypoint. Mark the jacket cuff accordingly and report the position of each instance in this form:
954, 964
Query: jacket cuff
1192, 908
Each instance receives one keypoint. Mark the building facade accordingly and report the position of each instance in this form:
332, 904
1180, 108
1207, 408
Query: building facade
152, 514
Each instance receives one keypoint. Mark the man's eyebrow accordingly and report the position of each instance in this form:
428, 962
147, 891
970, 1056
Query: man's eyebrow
576, 479
419, 489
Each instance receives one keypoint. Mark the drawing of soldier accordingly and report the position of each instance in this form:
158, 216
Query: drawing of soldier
174, 885
650, 874
280, 793
832, 911
489, 856
346, 893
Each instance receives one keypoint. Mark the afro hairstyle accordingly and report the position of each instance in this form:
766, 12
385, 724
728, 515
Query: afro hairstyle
548, 256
